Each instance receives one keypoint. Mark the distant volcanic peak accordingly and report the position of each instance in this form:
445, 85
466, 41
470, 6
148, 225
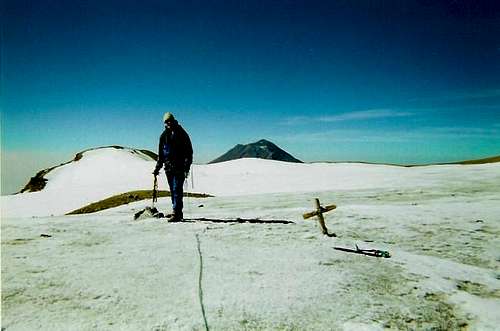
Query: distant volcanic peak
262, 149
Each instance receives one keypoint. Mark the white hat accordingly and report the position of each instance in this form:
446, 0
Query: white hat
168, 116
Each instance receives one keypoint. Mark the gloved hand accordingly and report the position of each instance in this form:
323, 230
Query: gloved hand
156, 172
187, 167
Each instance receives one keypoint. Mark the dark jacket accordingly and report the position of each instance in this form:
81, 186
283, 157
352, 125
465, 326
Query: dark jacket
175, 150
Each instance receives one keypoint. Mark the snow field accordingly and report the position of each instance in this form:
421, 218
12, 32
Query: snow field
105, 271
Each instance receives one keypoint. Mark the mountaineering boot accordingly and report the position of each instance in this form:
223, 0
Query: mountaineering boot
175, 217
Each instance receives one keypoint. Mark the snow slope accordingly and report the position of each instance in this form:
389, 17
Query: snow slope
105, 271
105, 172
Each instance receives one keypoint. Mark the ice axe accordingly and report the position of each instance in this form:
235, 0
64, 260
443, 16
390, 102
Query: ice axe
150, 211
155, 191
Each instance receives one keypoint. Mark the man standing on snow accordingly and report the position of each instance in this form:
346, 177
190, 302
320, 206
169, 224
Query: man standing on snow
176, 153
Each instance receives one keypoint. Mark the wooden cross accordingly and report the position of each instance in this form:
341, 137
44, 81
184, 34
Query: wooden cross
319, 212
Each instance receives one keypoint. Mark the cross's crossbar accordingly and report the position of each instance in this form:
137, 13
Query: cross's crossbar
316, 212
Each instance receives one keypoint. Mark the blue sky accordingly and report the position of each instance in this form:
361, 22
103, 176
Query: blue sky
387, 81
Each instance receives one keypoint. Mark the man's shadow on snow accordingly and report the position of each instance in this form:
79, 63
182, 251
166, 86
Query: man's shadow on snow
236, 220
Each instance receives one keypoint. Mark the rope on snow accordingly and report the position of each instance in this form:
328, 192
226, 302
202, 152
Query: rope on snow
200, 278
